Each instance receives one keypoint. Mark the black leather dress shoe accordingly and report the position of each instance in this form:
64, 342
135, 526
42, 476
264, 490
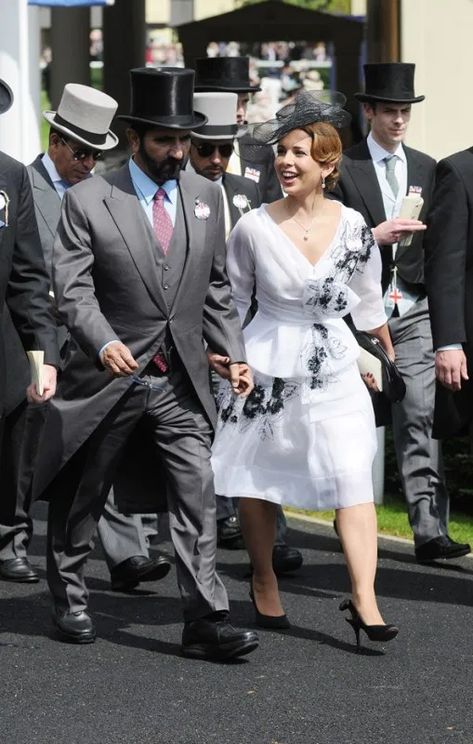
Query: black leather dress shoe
18, 569
214, 638
229, 534
128, 574
441, 547
286, 559
75, 627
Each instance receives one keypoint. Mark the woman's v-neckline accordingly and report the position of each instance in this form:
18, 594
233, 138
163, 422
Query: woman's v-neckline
294, 247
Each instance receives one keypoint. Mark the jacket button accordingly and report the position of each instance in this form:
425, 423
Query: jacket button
165, 267
165, 286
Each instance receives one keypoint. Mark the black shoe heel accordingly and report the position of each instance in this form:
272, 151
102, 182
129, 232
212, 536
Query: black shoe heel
270, 622
380, 633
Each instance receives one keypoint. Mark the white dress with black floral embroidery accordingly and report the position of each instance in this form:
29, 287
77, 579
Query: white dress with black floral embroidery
306, 435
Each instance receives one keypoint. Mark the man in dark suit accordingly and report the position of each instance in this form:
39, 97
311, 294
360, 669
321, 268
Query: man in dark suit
232, 75
139, 276
71, 157
449, 281
211, 149
375, 176
24, 303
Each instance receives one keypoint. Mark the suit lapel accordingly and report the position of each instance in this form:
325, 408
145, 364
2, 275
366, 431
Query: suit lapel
362, 172
45, 196
230, 191
131, 222
195, 230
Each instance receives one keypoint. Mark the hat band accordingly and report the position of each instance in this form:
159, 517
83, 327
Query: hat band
92, 137
221, 83
219, 130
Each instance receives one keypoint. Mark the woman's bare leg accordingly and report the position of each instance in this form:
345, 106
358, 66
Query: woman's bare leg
357, 529
258, 525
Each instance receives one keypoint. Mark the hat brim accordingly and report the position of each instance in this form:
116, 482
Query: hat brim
240, 132
197, 121
227, 89
6, 97
111, 139
366, 98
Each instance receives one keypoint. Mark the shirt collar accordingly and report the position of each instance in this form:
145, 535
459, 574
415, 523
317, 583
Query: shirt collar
50, 168
147, 188
378, 153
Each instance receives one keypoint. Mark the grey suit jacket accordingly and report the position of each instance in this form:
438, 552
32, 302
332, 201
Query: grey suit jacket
47, 207
107, 285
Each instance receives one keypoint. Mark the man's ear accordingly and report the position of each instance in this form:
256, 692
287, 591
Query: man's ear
133, 140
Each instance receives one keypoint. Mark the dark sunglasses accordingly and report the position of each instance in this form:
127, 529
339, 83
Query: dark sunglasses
206, 149
82, 153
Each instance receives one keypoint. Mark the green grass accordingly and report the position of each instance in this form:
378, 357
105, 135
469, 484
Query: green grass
392, 520
44, 126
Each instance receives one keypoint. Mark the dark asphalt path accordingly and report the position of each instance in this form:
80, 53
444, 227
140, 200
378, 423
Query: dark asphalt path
303, 686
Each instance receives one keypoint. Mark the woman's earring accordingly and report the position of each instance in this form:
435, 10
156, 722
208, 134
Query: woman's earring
323, 182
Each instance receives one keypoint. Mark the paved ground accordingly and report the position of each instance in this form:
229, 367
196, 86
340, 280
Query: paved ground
303, 686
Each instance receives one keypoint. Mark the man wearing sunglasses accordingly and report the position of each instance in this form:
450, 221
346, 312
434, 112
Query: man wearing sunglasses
78, 137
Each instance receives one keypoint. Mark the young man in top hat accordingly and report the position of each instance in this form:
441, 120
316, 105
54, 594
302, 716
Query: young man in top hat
375, 176
232, 74
139, 276
211, 149
24, 303
75, 145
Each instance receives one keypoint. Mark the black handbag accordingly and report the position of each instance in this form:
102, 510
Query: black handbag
394, 387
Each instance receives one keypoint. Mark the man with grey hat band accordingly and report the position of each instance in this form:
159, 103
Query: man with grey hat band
211, 149
25, 307
139, 275
232, 75
79, 134
376, 175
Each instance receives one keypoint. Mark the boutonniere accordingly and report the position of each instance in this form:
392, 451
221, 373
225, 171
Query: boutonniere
241, 202
4, 202
201, 210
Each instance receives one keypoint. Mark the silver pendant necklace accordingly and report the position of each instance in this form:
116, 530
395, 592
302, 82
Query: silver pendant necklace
306, 230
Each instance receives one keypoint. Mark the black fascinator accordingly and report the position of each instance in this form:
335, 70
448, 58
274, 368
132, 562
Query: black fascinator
307, 108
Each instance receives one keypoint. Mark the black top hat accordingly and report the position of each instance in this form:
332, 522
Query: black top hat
389, 81
224, 73
6, 97
163, 97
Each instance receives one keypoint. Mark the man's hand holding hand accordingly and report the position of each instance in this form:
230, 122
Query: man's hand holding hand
451, 368
49, 386
238, 374
118, 360
392, 231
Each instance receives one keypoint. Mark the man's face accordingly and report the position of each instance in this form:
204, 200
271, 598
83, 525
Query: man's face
242, 105
210, 158
389, 122
73, 160
161, 153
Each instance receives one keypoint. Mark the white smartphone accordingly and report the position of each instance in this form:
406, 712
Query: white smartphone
410, 210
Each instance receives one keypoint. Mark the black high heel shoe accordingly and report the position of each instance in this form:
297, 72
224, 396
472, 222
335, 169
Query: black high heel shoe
382, 633
271, 622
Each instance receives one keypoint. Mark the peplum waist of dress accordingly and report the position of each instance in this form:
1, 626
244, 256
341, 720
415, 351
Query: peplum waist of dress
306, 337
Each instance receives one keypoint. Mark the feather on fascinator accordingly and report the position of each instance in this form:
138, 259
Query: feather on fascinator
307, 108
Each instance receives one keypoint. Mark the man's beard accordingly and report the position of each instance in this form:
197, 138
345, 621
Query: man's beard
168, 169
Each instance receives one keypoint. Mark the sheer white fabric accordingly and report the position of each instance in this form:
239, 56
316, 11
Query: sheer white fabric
306, 435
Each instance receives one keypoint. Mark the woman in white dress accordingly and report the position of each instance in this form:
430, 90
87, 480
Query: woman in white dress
306, 435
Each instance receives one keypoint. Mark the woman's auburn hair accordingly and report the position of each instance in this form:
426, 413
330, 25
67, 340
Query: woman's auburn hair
326, 149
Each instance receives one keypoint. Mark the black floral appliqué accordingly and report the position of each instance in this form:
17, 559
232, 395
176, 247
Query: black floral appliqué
263, 407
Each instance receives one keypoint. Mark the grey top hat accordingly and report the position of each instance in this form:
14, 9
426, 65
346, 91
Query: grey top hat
220, 110
85, 114
6, 97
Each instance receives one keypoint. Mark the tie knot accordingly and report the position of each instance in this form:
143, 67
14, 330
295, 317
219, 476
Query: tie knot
390, 161
160, 194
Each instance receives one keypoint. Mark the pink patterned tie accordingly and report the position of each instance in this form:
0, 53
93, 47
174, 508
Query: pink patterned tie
162, 223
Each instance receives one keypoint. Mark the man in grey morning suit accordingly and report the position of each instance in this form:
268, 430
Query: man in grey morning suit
375, 176
139, 274
71, 156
